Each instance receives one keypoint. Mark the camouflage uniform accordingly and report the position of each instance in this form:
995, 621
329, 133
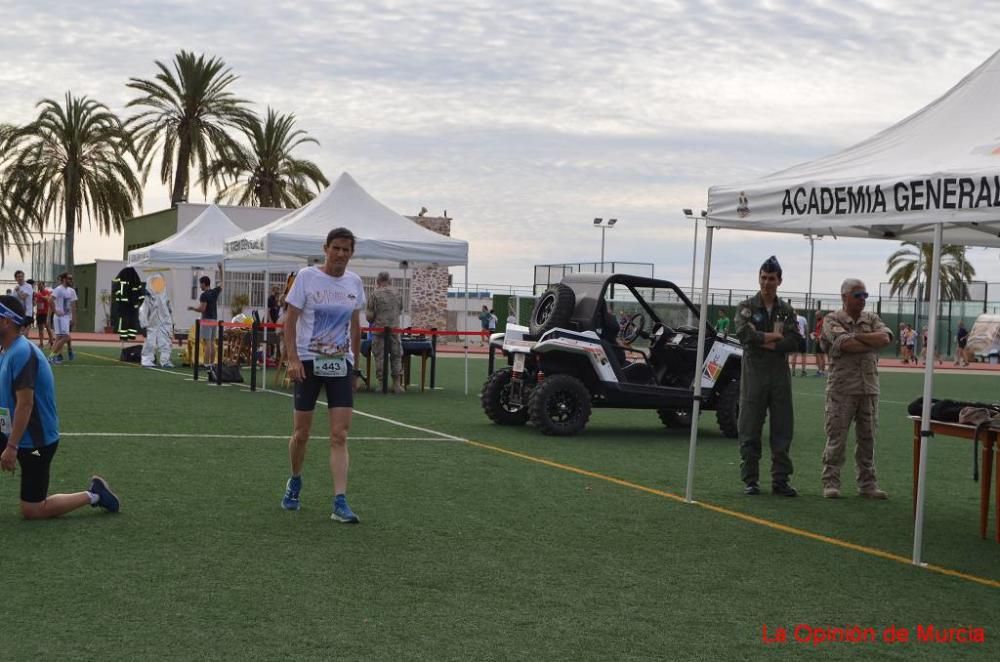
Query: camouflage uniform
851, 395
384, 308
765, 386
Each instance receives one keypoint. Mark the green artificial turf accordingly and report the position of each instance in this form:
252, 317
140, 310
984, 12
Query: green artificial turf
465, 552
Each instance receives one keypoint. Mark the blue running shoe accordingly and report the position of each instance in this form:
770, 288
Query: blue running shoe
106, 499
55, 360
71, 355
292, 488
342, 512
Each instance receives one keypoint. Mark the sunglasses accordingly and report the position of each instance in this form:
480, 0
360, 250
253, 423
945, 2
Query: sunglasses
859, 295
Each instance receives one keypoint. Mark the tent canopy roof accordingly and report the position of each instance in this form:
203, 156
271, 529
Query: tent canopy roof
940, 165
382, 234
199, 244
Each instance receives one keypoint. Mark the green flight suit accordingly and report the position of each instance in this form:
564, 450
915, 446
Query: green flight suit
765, 386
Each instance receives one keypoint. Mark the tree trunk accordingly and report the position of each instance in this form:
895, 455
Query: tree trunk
70, 229
181, 174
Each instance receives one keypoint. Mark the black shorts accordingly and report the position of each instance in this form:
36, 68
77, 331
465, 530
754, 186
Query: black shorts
802, 345
41, 319
35, 464
29, 320
339, 391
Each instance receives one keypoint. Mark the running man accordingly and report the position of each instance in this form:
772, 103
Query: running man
29, 424
323, 335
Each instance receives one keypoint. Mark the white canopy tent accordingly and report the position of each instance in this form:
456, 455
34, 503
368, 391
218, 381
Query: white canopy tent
383, 237
933, 177
199, 244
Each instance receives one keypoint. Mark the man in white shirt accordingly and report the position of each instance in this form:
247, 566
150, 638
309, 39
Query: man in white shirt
64, 315
25, 293
323, 337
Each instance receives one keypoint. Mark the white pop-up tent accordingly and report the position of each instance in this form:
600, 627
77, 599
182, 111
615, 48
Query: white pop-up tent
383, 237
382, 234
199, 244
933, 177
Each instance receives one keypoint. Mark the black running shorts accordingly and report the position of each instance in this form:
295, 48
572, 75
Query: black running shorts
35, 464
339, 392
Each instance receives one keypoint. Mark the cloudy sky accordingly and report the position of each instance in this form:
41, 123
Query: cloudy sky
527, 119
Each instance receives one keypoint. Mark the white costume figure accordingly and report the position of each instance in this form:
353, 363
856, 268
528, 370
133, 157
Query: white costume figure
155, 316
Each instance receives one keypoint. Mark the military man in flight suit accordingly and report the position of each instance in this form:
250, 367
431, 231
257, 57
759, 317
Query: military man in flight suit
385, 305
767, 329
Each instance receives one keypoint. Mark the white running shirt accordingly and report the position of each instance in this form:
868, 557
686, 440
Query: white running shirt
64, 297
326, 304
26, 295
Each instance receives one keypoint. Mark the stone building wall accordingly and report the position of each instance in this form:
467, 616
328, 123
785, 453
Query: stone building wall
429, 285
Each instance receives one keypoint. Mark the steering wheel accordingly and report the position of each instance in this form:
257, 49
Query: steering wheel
633, 328
660, 342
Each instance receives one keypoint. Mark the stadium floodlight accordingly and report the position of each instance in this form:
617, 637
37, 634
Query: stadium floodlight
598, 223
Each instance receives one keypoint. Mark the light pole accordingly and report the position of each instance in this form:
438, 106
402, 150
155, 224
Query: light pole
599, 223
694, 255
812, 239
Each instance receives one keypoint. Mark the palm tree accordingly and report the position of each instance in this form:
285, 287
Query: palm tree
71, 162
265, 174
187, 114
956, 272
14, 226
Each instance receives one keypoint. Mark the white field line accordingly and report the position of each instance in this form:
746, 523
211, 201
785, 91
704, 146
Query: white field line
229, 436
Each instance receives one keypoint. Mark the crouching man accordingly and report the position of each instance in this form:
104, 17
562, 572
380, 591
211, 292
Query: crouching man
29, 425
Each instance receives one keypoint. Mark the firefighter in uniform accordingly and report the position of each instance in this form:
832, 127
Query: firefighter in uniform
766, 327
852, 338
384, 308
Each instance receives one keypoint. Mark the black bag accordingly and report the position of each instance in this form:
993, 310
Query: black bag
947, 410
230, 374
131, 354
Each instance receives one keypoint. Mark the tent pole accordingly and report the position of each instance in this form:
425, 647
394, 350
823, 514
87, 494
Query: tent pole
702, 333
925, 418
465, 322
267, 318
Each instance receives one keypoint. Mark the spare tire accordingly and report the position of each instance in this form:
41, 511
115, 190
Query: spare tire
553, 309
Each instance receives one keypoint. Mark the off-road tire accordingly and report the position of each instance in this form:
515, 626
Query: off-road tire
727, 409
559, 406
553, 309
494, 398
673, 419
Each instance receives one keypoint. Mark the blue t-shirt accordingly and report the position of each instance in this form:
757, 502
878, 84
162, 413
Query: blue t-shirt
23, 365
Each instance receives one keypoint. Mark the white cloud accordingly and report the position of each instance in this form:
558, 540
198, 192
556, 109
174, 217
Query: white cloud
525, 120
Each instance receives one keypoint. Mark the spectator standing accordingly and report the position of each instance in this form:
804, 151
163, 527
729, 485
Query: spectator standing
800, 354
722, 324
64, 310
25, 293
43, 317
817, 335
484, 324
323, 328
208, 306
961, 339
765, 326
273, 307
492, 322
29, 424
383, 311
853, 338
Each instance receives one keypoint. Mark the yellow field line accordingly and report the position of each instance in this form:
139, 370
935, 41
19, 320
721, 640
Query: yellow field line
784, 528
